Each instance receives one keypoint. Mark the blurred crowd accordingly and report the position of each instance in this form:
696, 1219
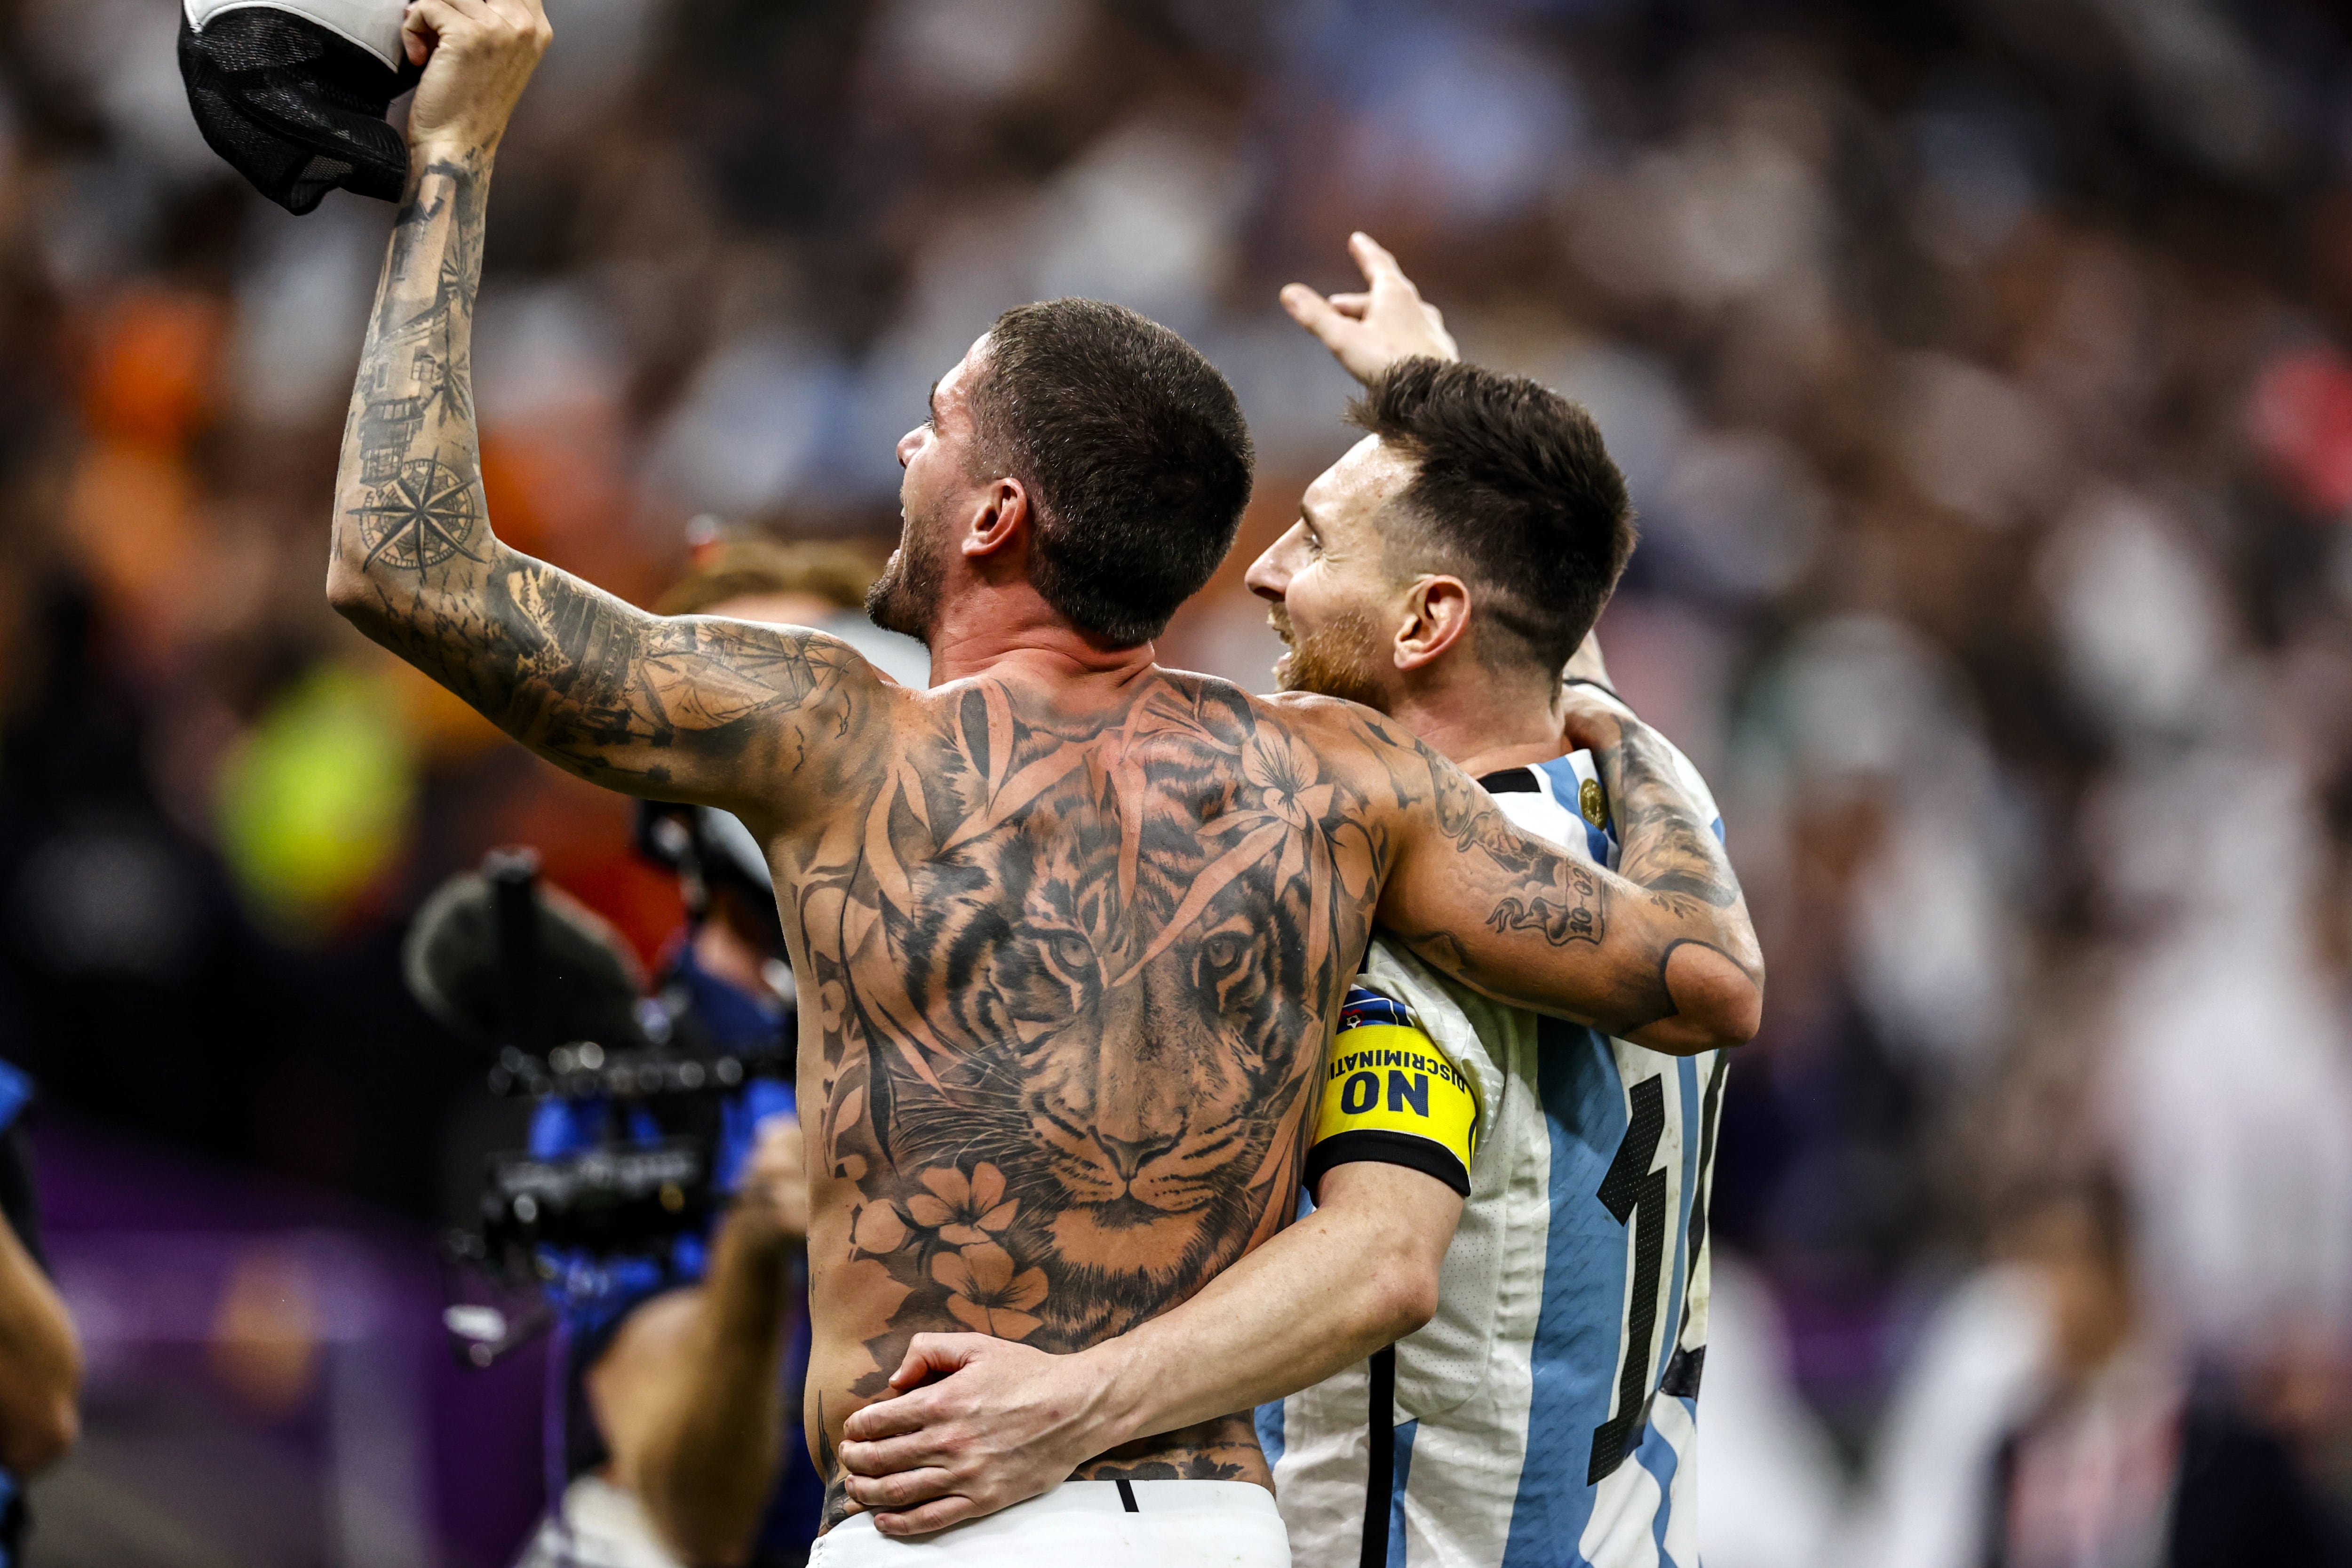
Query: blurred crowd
1978, 366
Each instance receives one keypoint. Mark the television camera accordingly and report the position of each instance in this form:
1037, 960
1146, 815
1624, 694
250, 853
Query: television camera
556, 995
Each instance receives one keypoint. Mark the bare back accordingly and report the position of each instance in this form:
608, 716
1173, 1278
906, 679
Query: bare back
1065, 982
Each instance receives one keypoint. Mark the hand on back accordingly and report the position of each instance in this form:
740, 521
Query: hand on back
970, 1424
1371, 330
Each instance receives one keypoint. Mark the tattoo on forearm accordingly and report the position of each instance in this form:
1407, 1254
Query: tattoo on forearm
1583, 919
1577, 909
1676, 888
415, 500
1666, 846
623, 697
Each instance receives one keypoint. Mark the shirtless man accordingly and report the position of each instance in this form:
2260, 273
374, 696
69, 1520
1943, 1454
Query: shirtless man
1071, 930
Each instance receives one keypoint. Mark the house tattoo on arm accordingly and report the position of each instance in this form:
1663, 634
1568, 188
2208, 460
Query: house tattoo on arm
689, 707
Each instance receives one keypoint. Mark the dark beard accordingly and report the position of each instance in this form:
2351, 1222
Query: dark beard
1336, 661
906, 598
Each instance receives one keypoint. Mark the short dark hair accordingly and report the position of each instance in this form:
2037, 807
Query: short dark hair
1514, 492
1134, 453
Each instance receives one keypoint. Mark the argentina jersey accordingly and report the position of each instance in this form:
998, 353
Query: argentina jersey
1547, 1415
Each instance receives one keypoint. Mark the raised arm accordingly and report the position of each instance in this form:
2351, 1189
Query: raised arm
683, 708
1660, 952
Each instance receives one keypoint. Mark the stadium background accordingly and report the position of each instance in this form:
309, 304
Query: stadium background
1979, 369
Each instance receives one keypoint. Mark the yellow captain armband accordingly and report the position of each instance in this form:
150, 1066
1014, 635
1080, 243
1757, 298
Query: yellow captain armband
1392, 1095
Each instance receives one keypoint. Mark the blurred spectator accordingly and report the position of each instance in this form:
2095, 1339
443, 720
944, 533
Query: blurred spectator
2126, 1460
2102, 1446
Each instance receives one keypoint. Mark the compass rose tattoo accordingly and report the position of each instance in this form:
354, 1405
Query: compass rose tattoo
424, 515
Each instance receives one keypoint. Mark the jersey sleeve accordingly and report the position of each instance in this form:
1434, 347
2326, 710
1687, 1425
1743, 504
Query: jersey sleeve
1391, 1094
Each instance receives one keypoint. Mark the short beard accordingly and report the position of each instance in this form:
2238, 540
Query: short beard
906, 598
1335, 661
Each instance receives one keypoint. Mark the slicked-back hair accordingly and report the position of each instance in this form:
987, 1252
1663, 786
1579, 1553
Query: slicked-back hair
1513, 492
1133, 451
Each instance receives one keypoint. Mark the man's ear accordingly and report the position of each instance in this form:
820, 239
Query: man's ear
1003, 513
1436, 618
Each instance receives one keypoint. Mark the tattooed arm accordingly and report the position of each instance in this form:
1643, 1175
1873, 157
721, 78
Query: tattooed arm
684, 708
1669, 846
1660, 952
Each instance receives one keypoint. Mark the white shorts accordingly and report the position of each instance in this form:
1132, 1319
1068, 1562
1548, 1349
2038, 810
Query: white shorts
1098, 1524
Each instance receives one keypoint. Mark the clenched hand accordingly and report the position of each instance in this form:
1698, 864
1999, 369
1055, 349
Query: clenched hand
478, 56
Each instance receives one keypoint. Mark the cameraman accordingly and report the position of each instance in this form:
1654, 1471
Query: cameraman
682, 1438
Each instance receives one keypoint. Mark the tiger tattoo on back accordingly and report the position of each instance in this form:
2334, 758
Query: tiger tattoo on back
1071, 987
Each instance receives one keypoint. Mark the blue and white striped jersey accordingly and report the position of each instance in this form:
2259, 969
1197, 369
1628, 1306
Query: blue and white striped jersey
1547, 1415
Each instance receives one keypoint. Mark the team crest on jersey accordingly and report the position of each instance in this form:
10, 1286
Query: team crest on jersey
1589, 802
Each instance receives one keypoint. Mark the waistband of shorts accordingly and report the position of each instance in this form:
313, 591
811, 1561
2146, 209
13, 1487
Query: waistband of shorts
1229, 1499
1161, 1497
